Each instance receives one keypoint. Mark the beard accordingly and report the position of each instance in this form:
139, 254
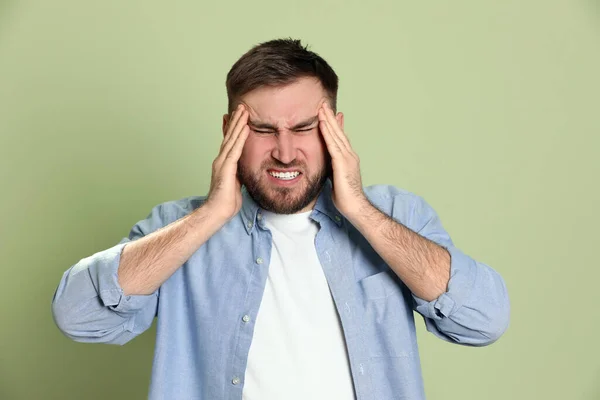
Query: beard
282, 200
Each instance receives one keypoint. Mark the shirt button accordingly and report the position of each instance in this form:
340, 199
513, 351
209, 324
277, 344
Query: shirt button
235, 380
249, 224
338, 218
259, 260
259, 216
246, 318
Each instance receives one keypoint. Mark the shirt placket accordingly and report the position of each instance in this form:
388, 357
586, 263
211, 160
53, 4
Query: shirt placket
333, 250
261, 255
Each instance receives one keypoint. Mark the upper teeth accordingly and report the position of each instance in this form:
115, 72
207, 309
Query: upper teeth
285, 175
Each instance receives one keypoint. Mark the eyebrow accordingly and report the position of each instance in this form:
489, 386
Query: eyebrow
300, 125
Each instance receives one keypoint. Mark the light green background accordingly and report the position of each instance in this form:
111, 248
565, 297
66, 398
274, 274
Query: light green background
490, 110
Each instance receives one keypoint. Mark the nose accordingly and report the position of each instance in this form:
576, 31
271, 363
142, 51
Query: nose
284, 150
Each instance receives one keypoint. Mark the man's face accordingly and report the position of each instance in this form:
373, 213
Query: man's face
285, 162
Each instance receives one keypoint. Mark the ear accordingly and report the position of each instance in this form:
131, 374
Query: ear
340, 119
225, 121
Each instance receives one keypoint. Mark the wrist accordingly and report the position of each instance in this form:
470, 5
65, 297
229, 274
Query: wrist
213, 214
361, 212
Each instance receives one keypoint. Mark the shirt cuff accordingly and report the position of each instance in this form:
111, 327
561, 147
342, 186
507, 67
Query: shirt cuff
463, 271
110, 292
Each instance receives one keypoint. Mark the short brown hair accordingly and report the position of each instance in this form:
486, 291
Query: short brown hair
276, 63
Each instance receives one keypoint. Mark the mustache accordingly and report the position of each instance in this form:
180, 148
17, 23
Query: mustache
278, 164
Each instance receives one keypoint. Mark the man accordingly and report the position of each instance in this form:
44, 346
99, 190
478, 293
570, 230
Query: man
289, 280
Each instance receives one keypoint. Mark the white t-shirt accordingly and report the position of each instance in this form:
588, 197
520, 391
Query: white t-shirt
298, 349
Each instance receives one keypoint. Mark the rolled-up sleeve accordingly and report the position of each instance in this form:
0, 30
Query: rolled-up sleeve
89, 304
475, 309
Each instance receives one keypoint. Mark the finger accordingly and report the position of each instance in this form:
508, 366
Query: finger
240, 133
336, 128
332, 146
331, 125
235, 131
236, 150
235, 116
327, 130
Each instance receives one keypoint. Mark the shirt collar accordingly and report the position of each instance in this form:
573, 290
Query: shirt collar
324, 205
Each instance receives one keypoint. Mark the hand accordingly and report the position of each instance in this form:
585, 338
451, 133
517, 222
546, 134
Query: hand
348, 194
225, 188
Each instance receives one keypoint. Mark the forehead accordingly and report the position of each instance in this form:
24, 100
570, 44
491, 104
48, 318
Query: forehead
287, 104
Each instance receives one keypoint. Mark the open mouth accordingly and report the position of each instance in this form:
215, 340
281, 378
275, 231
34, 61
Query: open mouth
284, 177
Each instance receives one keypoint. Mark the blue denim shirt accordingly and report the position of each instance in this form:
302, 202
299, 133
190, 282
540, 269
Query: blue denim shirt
207, 308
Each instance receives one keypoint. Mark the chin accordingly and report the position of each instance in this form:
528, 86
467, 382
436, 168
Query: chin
288, 198
283, 200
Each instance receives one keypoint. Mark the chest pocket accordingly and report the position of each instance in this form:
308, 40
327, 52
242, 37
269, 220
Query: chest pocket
387, 315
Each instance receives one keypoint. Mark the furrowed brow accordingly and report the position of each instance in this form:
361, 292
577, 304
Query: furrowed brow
262, 125
270, 127
305, 124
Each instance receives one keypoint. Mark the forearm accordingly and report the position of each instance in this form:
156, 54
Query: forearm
148, 262
421, 264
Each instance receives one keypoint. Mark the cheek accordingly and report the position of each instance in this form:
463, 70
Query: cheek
254, 152
315, 150
322, 146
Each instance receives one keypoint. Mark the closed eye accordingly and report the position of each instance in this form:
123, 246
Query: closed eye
305, 129
270, 132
